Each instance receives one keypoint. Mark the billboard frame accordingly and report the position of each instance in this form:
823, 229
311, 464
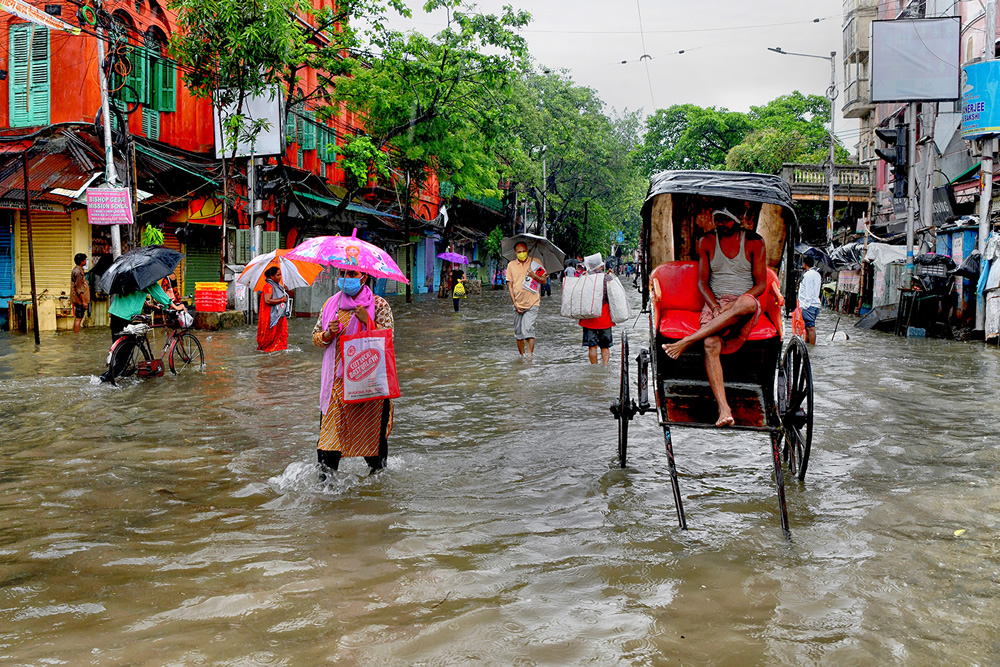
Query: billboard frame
879, 96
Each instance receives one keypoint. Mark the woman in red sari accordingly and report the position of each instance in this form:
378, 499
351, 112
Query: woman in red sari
272, 323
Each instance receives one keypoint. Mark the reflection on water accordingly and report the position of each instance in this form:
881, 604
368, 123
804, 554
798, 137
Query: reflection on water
180, 520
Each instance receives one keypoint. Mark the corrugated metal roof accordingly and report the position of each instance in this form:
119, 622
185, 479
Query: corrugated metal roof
46, 172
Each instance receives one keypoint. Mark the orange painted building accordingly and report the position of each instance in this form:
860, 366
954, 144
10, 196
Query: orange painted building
49, 83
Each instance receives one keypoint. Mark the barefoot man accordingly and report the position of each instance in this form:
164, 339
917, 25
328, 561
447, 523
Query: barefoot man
732, 275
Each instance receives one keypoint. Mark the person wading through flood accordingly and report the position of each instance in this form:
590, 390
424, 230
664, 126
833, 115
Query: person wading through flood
809, 301
597, 330
523, 290
350, 429
732, 276
272, 320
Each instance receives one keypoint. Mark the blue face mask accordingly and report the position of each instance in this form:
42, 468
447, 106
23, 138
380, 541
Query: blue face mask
351, 286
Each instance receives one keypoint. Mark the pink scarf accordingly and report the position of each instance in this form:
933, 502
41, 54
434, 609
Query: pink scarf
332, 370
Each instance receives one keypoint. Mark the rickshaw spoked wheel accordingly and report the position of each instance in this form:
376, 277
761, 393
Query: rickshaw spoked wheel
795, 405
624, 408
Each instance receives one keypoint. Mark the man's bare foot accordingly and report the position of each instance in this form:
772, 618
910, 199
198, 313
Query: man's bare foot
674, 350
725, 419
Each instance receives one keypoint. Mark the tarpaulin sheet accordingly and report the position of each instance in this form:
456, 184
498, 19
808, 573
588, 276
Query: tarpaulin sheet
764, 188
881, 254
847, 256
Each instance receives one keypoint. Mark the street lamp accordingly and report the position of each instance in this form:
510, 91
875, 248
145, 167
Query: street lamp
831, 94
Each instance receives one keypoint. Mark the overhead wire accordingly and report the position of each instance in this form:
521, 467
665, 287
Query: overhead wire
645, 55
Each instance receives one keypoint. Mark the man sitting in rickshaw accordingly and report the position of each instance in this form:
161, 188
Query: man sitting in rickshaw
732, 276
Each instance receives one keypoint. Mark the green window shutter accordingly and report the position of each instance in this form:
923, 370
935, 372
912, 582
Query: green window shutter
151, 123
298, 158
138, 77
163, 84
17, 86
29, 75
309, 131
290, 117
40, 81
326, 148
269, 242
243, 246
299, 129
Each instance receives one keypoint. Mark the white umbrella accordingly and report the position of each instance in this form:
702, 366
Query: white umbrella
539, 247
291, 277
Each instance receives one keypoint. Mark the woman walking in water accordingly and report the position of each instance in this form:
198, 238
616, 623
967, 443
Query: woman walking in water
350, 429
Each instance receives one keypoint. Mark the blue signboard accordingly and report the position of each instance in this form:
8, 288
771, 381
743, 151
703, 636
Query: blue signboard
981, 99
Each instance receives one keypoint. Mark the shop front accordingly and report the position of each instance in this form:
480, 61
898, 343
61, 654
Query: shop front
57, 235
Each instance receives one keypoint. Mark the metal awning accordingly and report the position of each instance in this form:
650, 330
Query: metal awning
357, 208
967, 173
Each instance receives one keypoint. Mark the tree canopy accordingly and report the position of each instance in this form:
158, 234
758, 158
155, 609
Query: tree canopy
440, 102
468, 105
789, 128
590, 185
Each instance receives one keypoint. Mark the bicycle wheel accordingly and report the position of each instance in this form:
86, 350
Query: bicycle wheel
186, 353
125, 359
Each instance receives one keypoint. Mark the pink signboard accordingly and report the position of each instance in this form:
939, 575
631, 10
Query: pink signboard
109, 206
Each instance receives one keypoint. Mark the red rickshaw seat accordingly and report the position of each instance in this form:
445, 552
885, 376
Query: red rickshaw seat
677, 302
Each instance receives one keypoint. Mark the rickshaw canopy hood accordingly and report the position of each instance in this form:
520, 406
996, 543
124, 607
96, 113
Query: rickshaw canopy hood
764, 188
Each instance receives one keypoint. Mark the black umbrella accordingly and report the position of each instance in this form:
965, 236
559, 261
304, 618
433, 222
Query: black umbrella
139, 268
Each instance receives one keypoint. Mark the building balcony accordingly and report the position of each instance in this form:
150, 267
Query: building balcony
857, 99
857, 29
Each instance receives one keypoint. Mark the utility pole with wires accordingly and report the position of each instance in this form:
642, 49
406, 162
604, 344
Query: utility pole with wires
110, 174
989, 147
929, 159
831, 94
911, 187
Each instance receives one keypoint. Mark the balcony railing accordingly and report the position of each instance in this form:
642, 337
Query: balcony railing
857, 91
851, 182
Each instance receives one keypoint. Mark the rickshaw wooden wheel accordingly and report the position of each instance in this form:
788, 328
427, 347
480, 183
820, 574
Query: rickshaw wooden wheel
795, 405
624, 408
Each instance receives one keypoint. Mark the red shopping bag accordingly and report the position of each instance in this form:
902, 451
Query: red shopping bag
369, 365
798, 324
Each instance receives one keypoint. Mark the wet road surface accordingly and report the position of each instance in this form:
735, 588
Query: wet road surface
179, 520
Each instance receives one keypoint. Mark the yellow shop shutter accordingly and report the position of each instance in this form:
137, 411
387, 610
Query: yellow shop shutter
52, 238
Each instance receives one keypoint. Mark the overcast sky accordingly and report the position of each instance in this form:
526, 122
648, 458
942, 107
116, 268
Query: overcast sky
725, 61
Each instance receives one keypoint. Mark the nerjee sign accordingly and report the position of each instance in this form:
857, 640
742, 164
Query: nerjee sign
109, 206
981, 99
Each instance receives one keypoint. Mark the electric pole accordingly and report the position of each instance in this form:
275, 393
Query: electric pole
911, 187
986, 172
110, 175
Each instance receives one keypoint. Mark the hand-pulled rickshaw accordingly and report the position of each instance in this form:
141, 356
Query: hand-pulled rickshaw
768, 384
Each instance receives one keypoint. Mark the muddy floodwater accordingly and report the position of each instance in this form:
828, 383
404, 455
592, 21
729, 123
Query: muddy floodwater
180, 520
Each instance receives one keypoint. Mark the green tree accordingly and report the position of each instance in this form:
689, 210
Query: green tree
686, 136
789, 128
439, 102
591, 185
233, 50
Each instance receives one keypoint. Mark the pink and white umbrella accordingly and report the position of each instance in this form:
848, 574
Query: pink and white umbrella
348, 252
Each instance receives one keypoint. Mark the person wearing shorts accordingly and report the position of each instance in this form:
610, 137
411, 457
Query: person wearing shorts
809, 301
597, 330
523, 289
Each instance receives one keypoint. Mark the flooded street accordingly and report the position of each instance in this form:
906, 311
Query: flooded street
180, 520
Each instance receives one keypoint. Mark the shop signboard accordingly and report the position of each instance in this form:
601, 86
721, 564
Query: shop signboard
109, 206
981, 99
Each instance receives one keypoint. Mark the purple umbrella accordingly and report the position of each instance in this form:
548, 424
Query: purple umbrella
453, 257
